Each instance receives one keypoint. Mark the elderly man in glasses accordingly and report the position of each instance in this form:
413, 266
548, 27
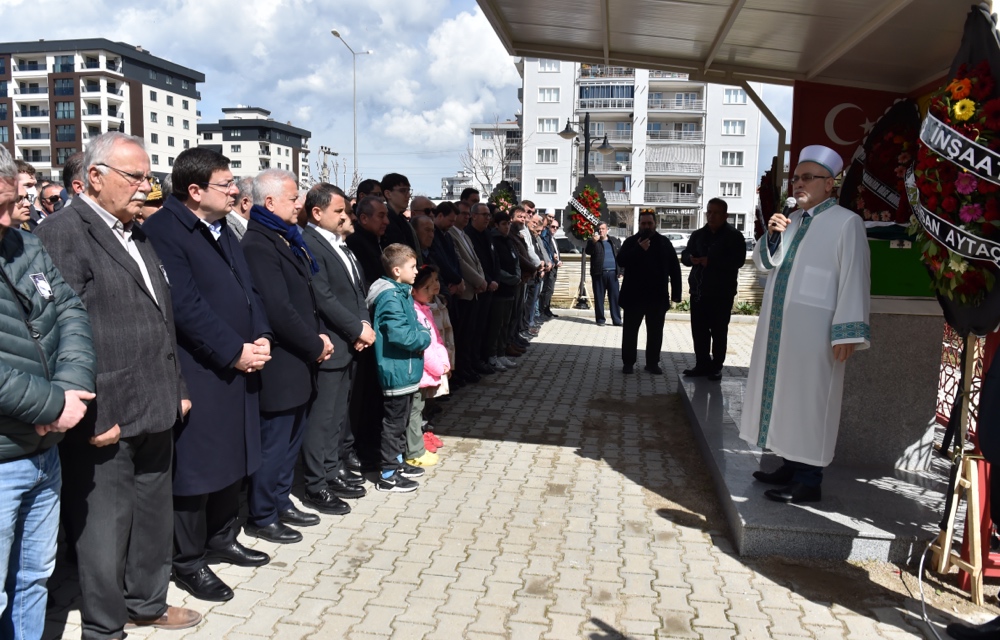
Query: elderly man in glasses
814, 316
117, 462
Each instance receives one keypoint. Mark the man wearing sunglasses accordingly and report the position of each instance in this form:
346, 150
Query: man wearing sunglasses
815, 309
49, 201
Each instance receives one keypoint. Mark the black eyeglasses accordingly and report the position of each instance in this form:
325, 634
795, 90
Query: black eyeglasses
807, 177
135, 178
52, 199
225, 186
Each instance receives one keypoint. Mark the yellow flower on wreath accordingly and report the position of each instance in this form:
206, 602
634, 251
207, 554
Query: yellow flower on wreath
964, 109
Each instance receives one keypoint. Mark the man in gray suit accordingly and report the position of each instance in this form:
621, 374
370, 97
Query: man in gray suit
340, 299
117, 461
239, 215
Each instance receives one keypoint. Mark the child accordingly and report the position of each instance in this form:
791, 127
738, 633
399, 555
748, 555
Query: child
437, 365
399, 347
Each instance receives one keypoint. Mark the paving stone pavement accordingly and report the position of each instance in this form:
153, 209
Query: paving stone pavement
544, 519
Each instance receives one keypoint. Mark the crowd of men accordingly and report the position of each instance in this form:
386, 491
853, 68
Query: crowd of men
188, 344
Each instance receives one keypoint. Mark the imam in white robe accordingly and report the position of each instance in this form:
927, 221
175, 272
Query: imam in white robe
817, 296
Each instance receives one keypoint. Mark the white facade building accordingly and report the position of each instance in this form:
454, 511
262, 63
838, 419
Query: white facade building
677, 143
56, 95
495, 156
253, 142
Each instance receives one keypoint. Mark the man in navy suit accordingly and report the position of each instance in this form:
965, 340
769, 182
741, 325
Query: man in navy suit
283, 269
224, 341
340, 297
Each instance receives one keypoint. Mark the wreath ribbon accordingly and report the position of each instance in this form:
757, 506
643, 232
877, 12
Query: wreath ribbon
584, 211
957, 240
959, 150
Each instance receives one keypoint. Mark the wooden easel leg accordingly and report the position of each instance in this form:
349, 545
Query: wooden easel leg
973, 530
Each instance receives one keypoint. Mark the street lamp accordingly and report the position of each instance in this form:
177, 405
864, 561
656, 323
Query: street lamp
354, 61
569, 133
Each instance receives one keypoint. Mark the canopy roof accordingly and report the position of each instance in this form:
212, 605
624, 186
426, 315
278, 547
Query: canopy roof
894, 45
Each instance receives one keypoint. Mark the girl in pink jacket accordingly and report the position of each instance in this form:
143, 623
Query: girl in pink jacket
437, 364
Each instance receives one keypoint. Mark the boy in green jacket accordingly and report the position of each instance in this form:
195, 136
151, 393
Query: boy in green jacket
399, 351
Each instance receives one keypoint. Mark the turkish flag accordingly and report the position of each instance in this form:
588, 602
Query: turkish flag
834, 116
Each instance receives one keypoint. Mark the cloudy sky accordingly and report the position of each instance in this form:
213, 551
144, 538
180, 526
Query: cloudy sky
436, 67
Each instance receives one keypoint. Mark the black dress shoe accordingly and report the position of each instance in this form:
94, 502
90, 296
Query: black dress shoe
325, 502
985, 631
627, 368
352, 461
696, 373
715, 376
654, 369
782, 475
239, 555
343, 489
794, 494
275, 532
204, 585
298, 518
350, 477
483, 369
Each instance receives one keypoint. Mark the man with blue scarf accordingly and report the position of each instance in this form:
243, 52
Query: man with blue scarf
282, 268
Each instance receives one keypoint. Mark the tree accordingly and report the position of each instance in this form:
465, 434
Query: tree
497, 159
332, 172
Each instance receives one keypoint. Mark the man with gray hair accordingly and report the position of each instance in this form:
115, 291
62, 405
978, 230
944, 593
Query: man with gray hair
237, 218
47, 362
118, 460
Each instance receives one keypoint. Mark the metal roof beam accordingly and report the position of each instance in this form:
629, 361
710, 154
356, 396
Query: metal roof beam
723, 33
782, 141
606, 21
866, 28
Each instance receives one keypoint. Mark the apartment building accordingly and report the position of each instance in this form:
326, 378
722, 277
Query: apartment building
674, 144
253, 141
55, 95
452, 186
495, 156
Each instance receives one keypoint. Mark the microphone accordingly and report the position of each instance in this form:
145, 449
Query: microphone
790, 204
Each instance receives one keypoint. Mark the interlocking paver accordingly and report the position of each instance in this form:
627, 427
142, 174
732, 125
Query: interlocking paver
558, 511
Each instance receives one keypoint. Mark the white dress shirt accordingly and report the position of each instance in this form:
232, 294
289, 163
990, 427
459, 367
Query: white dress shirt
123, 233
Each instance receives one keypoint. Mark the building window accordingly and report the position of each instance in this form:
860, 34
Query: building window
735, 96
66, 133
235, 148
184, 85
236, 164
3, 110
63, 87
154, 159
65, 110
548, 66
208, 136
731, 189
548, 156
169, 79
170, 162
486, 154
63, 154
184, 105
487, 135
154, 138
170, 121
152, 96
170, 101
3, 88
187, 144
545, 185
152, 116
187, 124
152, 75
4, 134
288, 152
237, 133
548, 94
170, 141
732, 158
734, 127
548, 125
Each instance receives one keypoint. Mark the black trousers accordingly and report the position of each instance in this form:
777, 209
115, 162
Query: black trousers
654, 314
281, 435
807, 474
463, 317
366, 408
548, 288
500, 310
482, 341
394, 422
517, 308
710, 330
328, 421
203, 523
118, 502
606, 282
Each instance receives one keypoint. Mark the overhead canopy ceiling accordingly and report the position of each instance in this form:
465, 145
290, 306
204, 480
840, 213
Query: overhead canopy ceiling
895, 45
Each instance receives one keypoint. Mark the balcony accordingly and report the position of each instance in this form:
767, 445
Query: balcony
616, 197
90, 111
667, 75
613, 135
27, 137
602, 71
668, 197
610, 166
673, 168
31, 92
676, 105
34, 113
31, 68
39, 159
593, 104
90, 88
113, 65
675, 136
